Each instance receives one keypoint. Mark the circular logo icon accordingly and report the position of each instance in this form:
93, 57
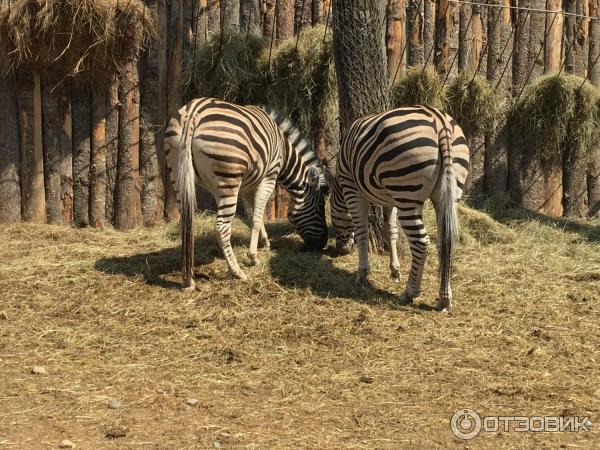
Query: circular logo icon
465, 424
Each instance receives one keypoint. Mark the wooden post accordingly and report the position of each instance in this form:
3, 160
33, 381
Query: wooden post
152, 113
446, 38
465, 36
250, 17
302, 15
552, 170
98, 166
230, 15
111, 149
10, 191
174, 100
213, 15
414, 18
82, 120
127, 195
500, 42
429, 17
58, 155
32, 161
284, 18
268, 20
395, 37
575, 199
594, 75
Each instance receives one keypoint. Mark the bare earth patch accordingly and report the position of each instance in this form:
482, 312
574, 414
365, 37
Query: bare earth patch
297, 356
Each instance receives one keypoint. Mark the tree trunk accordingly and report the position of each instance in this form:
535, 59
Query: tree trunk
284, 17
111, 149
268, 20
575, 199
302, 15
474, 38
446, 44
200, 27
414, 19
250, 17
230, 16
499, 75
318, 12
213, 15
429, 11
81, 156
395, 37
552, 170
594, 74
98, 167
531, 187
174, 100
58, 155
32, 160
465, 36
361, 73
10, 191
127, 198
152, 110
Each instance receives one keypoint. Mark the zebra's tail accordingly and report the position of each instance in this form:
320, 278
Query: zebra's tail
186, 185
447, 215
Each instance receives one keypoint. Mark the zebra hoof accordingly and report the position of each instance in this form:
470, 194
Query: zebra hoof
444, 306
406, 299
395, 275
253, 259
240, 275
362, 279
191, 287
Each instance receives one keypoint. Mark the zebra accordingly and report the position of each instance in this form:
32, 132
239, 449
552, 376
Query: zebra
399, 159
231, 151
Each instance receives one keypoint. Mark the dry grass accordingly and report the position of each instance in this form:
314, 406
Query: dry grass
85, 41
297, 357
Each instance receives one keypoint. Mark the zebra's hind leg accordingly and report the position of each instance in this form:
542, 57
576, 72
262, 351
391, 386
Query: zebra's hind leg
391, 228
359, 210
264, 237
260, 198
226, 207
418, 239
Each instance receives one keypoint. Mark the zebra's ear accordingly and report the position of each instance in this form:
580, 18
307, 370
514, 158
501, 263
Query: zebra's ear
313, 177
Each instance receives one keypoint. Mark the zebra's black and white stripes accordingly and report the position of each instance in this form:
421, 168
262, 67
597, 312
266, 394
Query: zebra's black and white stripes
233, 150
399, 159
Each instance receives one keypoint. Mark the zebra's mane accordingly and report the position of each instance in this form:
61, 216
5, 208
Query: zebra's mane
298, 143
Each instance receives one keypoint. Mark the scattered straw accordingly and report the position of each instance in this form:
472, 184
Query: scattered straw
228, 67
420, 86
474, 103
558, 111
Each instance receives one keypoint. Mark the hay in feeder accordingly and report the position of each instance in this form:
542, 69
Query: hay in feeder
86, 41
302, 78
557, 110
420, 86
474, 103
228, 68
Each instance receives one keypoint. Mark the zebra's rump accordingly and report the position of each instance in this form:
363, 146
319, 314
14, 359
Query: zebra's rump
395, 157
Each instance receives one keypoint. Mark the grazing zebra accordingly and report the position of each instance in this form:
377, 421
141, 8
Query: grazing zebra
233, 150
399, 159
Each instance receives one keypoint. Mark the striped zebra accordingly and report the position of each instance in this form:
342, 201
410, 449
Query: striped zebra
233, 151
399, 159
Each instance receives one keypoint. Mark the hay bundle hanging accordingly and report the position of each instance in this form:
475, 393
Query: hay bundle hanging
86, 41
302, 78
420, 86
474, 103
228, 67
558, 111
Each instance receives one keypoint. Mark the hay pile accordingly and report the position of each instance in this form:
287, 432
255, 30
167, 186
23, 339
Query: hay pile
228, 67
474, 103
86, 41
302, 78
558, 111
420, 86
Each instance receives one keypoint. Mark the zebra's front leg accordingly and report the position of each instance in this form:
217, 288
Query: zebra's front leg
359, 210
264, 237
418, 239
225, 212
260, 199
392, 235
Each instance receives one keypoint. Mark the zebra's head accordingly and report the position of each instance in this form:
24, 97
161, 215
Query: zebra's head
307, 213
341, 219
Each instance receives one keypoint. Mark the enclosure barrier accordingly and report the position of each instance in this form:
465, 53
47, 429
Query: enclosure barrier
82, 123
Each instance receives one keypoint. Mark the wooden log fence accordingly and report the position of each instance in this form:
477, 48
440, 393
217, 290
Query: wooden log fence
96, 158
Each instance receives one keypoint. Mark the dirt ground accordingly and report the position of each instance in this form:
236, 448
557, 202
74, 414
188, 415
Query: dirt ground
296, 357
